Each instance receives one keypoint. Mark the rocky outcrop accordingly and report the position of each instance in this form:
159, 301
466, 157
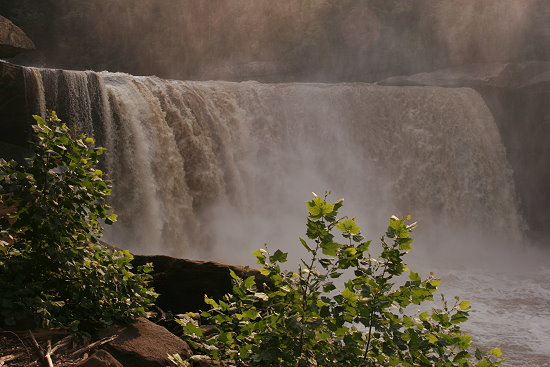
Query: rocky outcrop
146, 344
518, 95
182, 283
12, 39
478, 76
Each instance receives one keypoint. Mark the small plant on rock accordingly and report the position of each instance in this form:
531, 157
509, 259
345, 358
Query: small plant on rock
341, 307
52, 269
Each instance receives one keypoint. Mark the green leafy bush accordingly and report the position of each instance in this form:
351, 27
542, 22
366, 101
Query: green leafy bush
52, 268
312, 317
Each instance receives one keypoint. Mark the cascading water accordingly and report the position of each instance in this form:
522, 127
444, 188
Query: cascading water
213, 169
179, 151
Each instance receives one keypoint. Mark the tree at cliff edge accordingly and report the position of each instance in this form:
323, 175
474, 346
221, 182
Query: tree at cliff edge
53, 271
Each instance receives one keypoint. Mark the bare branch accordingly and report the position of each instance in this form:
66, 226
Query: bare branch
93, 345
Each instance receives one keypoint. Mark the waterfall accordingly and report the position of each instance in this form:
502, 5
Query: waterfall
203, 167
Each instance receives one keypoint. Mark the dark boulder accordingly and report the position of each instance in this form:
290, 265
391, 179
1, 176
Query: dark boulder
12, 39
182, 283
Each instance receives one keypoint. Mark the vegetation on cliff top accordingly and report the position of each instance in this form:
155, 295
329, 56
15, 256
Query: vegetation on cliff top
53, 271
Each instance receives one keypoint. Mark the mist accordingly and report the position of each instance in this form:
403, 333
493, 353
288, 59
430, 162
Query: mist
286, 40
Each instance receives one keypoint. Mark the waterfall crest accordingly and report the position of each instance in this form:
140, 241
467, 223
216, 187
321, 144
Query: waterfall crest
203, 166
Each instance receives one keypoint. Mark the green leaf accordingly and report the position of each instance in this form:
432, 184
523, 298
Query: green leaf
459, 318
250, 314
329, 287
260, 256
349, 295
405, 244
364, 246
414, 277
349, 226
464, 342
432, 338
424, 316
278, 256
210, 301
496, 352
464, 305
330, 249
319, 208
190, 328
234, 275
250, 283
304, 243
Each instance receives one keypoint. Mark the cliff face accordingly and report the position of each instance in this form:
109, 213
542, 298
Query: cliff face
15, 118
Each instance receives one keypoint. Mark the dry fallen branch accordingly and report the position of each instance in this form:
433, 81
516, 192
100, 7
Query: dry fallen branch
9, 357
93, 345
44, 357
62, 343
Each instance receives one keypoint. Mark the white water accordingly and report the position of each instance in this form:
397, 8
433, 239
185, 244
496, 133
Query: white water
214, 169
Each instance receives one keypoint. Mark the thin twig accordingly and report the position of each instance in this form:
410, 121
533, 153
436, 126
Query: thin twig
9, 357
62, 343
162, 314
43, 358
48, 355
93, 345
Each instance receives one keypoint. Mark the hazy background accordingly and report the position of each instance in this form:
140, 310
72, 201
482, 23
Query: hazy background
283, 40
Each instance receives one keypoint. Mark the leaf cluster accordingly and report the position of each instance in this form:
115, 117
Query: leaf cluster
341, 307
52, 268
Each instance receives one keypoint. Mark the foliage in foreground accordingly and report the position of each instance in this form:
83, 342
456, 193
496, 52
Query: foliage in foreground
52, 268
311, 317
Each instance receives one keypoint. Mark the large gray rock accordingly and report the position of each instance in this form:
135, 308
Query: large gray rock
12, 39
146, 344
